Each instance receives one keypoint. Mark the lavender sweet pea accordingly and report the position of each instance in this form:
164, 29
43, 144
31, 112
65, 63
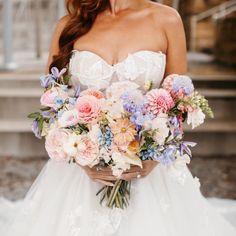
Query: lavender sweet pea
35, 129
184, 147
56, 73
46, 80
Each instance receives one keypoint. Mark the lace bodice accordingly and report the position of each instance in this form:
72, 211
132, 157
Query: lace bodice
89, 70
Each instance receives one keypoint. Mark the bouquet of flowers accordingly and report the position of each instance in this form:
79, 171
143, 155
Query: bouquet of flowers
119, 127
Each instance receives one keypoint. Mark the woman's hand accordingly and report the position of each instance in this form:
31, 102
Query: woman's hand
105, 176
136, 172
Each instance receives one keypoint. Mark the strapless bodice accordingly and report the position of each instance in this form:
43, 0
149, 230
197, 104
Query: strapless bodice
89, 70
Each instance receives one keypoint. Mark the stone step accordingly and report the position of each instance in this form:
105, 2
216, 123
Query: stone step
223, 108
23, 81
212, 143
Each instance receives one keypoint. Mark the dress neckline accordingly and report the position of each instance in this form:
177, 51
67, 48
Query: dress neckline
159, 53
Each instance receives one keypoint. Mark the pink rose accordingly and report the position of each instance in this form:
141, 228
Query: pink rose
69, 118
87, 152
54, 144
53, 97
159, 101
88, 108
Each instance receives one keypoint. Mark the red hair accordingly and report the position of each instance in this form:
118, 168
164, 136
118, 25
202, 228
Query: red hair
82, 16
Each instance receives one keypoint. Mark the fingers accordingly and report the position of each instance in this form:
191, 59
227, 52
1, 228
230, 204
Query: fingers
103, 177
103, 182
133, 169
133, 175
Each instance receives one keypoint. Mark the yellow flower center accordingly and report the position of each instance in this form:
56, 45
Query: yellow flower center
123, 129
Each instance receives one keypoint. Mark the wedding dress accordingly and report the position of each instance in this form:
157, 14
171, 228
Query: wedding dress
62, 200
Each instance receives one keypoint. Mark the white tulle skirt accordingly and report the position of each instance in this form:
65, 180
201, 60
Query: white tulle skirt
62, 202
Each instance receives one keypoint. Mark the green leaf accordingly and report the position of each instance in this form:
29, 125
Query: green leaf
34, 115
40, 124
66, 79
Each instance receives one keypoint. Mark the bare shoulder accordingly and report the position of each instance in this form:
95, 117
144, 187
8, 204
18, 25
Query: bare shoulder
167, 16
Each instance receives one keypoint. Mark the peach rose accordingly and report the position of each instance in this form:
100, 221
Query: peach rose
53, 97
54, 144
87, 152
96, 93
88, 108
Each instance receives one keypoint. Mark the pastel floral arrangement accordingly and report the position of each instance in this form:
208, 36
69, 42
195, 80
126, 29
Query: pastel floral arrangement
120, 127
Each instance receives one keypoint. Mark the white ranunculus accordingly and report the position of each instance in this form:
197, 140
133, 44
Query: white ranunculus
113, 106
195, 118
94, 133
136, 96
118, 88
70, 147
105, 155
68, 118
162, 131
122, 162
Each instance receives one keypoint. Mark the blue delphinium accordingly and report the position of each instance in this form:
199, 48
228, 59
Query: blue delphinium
58, 102
105, 139
184, 83
137, 111
151, 153
167, 157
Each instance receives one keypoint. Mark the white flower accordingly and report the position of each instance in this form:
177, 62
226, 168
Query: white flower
148, 84
181, 161
113, 106
136, 96
118, 88
68, 118
159, 124
71, 145
122, 162
94, 133
105, 155
196, 118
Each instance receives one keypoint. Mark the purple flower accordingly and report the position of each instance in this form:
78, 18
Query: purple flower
46, 80
167, 157
46, 114
184, 147
183, 83
56, 73
174, 121
77, 92
35, 129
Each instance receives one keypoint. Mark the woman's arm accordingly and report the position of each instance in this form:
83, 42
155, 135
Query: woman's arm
176, 63
176, 44
54, 48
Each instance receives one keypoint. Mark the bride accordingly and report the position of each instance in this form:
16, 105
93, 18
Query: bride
102, 41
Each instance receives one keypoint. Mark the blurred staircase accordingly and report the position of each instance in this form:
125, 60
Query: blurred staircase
216, 137
20, 92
